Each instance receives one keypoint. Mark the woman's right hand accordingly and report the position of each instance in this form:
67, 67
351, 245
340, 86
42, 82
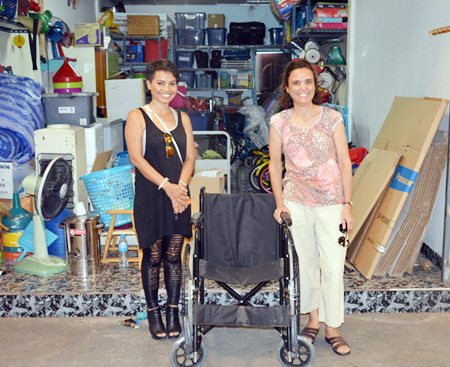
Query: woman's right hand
278, 211
178, 195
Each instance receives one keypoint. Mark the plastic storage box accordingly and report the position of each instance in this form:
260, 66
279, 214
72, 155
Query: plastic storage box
191, 37
188, 77
190, 20
69, 108
217, 36
276, 36
202, 121
184, 59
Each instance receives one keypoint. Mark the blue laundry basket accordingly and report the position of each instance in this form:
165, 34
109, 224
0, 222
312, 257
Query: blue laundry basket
111, 188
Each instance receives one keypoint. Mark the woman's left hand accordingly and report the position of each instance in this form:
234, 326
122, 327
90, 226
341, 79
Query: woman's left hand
347, 217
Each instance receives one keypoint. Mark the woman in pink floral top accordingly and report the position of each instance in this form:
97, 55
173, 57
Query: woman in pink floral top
316, 190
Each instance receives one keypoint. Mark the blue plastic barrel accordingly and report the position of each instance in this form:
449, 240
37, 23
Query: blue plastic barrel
58, 248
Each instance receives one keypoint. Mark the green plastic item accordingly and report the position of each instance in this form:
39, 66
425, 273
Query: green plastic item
335, 56
19, 217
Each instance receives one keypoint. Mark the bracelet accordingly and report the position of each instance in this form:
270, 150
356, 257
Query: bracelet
163, 183
348, 203
182, 183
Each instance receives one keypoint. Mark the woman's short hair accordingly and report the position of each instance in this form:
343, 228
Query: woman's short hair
286, 100
164, 65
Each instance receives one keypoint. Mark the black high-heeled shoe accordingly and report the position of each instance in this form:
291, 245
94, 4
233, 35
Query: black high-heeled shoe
173, 327
155, 324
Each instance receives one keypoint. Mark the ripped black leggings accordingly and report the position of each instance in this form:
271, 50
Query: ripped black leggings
168, 251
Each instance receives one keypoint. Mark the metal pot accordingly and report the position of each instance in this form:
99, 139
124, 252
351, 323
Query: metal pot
83, 244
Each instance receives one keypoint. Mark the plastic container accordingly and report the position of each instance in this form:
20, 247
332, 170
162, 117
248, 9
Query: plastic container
67, 79
191, 37
202, 121
123, 252
217, 36
111, 188
190, 20
276, 36
75, 109
188, 77
152, 51
204, 81
184, 59
19, 217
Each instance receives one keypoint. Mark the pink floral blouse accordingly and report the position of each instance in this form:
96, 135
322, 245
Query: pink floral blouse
312, 174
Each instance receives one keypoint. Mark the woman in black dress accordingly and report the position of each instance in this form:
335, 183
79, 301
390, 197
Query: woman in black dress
161, 146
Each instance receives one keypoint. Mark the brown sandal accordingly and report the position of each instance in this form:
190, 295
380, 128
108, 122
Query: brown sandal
336, 342
310, 333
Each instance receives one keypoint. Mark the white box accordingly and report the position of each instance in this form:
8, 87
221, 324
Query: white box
112, 135
122, 96
94, 143
11, 177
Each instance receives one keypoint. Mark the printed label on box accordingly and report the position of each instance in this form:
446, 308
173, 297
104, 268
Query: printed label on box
66, 110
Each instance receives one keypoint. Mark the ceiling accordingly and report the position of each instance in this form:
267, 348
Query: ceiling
188, 2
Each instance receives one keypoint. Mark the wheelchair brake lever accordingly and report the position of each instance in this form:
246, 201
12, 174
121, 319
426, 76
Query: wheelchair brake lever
286, 219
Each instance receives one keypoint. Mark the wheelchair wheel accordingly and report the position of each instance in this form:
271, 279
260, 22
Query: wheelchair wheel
181, 357
303, 355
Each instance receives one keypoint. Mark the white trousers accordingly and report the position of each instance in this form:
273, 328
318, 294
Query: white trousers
315, 231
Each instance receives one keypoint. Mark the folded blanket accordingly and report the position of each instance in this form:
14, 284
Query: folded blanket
21, 112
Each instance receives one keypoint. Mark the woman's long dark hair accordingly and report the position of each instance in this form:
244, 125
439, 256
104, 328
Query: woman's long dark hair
286, 100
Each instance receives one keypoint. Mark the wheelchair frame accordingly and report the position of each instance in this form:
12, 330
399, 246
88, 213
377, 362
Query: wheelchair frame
188, 350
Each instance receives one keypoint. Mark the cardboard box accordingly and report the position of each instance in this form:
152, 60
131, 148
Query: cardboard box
216, 20
143, 25
213, 181
11, 177
409, 130
88, 34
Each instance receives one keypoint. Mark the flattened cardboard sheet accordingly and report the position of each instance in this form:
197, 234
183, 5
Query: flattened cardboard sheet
408, 129
369, 182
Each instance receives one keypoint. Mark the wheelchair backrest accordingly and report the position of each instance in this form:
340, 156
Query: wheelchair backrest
239, 229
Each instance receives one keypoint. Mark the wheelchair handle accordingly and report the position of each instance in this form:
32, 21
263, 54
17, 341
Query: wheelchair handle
286, 219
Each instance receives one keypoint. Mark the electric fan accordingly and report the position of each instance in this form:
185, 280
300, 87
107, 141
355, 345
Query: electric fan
59, 35
50, 190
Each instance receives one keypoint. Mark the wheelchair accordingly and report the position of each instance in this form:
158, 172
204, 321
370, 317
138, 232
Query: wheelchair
239, 246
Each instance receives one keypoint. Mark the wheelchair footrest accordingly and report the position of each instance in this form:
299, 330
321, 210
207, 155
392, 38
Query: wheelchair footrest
219, 315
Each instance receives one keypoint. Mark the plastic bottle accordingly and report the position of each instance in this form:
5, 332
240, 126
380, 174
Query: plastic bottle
123, 252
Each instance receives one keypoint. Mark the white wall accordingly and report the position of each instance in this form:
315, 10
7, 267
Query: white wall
391, 53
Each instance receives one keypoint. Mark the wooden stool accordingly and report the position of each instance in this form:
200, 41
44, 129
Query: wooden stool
113, 235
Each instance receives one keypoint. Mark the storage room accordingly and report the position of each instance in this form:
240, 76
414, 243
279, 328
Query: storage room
87, 86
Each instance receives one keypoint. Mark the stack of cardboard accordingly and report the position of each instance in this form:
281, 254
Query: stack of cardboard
396, 157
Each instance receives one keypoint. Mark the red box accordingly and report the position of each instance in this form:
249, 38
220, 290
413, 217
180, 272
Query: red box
152, 52
330, 12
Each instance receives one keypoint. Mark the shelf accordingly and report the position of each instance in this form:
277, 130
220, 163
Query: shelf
215, 69
11, 26
220, 89
122, 37
233, 47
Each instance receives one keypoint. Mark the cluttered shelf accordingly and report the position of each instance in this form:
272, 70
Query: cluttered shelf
10, 26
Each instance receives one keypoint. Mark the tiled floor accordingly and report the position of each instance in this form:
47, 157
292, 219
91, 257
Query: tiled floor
119, 293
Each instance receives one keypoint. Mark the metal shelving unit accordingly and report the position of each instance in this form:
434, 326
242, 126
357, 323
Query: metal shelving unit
251, 70
10, 26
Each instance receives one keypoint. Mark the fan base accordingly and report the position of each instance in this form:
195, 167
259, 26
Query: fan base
41, 266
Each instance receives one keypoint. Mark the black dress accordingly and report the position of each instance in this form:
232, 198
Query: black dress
153, 210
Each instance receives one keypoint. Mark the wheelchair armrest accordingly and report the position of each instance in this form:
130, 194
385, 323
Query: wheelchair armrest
197, 218
286, 219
